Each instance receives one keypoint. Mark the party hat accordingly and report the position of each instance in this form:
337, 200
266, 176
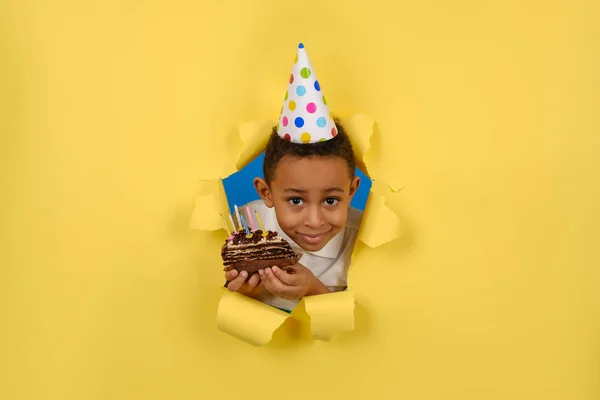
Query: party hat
305, 116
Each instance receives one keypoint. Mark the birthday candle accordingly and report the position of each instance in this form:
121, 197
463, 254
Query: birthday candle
262, 228
226, 227
246, 227
250, 219
237, 215
232, 223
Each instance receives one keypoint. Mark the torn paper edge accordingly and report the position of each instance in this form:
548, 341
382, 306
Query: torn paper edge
379, 223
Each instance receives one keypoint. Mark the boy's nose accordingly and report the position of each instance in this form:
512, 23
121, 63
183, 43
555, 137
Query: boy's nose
314, 218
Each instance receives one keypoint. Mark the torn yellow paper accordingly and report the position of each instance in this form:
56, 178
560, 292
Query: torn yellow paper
248, 319
330, 314
211, 205
379, 224
254, 136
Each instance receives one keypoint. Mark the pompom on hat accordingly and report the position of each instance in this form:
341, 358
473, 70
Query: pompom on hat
305, 116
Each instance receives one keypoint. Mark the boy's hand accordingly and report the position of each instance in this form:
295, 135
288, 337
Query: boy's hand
238, 283
296, 282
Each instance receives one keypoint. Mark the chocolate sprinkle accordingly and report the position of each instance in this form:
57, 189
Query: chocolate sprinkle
240, 237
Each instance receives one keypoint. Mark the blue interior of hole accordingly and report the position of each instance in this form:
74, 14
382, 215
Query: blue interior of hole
239, 187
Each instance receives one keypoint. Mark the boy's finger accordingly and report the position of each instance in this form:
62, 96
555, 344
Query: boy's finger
253, 281
283, 276
229, 275
236, 284
273, 284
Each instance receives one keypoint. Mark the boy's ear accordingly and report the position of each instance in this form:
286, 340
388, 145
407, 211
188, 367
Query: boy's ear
354, 186
263, 191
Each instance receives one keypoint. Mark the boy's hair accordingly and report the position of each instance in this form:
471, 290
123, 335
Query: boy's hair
277, 148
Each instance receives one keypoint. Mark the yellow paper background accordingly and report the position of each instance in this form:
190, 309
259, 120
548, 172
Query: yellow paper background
113, 112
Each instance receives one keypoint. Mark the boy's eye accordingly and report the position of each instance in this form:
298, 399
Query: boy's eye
296, 201
331, 201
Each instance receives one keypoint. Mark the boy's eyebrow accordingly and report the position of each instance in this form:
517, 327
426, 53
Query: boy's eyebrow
294, 190
333, 189
328, 190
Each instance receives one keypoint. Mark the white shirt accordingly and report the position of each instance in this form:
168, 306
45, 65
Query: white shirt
330, 264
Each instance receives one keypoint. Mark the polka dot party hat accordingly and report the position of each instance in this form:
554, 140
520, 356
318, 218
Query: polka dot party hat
305, 116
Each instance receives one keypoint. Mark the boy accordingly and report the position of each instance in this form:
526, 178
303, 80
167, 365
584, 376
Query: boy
309, 171
306, 196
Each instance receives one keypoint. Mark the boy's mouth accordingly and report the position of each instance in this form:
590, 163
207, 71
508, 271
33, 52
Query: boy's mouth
313, 238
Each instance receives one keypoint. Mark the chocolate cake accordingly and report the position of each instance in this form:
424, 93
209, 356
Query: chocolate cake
256, 252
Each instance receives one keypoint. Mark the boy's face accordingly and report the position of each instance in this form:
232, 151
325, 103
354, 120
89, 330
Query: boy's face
311, 197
